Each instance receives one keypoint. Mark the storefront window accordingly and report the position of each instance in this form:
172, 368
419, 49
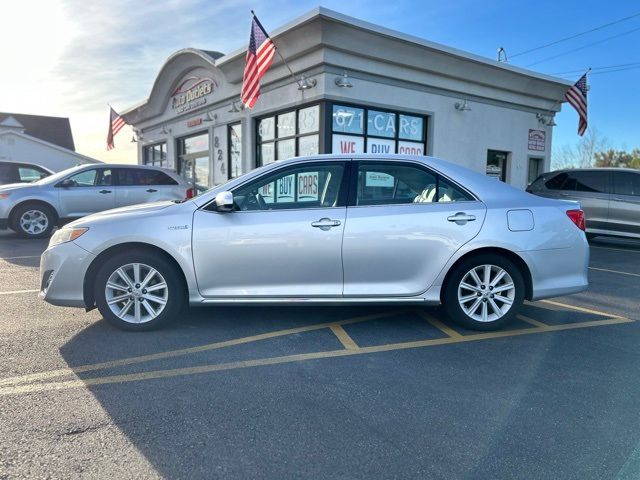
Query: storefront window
193, 160
156, 155
385, 132
235, 150
289, 134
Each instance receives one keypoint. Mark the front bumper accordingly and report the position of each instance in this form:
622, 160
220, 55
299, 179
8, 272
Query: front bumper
62, 271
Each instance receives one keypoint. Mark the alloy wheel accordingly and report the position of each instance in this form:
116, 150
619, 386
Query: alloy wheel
486, 293
34, 222
136, 293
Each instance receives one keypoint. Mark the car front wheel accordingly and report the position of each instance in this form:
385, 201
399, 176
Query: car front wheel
33, 221
484, 292
139, 291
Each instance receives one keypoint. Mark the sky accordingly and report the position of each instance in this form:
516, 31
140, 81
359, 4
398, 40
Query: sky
72, 58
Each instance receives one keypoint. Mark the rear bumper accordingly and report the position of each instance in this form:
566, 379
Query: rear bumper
558, 272
62, 272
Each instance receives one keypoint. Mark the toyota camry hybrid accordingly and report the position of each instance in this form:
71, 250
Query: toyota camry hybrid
326, 229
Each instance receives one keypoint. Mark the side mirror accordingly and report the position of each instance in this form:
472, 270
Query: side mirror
67, 182
224, 202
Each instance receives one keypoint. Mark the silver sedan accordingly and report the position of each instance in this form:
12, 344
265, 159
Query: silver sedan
325, 230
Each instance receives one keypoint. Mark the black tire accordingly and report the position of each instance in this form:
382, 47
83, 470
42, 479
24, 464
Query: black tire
450, 296
46, 213
175, 293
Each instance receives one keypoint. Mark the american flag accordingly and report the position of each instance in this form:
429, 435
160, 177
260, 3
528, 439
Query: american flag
259, 55
116, 122
577, 97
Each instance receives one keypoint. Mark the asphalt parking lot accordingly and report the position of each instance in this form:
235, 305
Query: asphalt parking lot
330, 392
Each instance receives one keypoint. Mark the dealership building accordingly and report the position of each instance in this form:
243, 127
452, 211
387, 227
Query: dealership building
359, 88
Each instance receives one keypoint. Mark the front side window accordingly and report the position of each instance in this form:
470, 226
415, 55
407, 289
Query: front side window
626, 183
92, 178
317, 185
394, 183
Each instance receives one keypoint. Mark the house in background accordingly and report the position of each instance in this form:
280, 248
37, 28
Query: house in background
40, 140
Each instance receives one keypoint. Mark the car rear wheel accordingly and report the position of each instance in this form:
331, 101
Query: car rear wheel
484, 292
139, 291
33, 221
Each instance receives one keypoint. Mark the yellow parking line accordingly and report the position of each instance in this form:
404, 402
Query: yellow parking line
532, 321
177, 372
438, 324
346, 341
14, 292
581, 309
614, 271
185, 351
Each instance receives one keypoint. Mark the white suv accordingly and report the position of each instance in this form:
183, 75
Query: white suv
33, 210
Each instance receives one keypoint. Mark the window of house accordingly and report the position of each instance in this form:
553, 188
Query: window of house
288, 134
235, 150
360, 129
156, 155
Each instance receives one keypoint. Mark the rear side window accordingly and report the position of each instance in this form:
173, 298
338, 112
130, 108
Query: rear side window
556, 182
626, 183
592, 181
143, 177
395, 183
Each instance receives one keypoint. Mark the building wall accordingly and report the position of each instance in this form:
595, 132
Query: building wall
24, 149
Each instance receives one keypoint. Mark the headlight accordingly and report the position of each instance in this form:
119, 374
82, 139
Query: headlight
66, 235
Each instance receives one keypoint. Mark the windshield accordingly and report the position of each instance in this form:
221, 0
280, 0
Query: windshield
56, 177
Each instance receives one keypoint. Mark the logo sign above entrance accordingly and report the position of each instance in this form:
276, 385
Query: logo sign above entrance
192, 92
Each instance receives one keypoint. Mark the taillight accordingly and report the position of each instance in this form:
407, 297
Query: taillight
577, 217
191, 192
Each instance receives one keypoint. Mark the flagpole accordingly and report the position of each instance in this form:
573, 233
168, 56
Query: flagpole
277, 50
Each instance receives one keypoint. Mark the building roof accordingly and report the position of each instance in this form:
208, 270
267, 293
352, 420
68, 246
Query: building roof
56, 130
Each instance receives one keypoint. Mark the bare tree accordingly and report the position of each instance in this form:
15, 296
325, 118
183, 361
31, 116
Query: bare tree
582, 154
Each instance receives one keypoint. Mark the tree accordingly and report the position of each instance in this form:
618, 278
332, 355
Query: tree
618, 158
582, 154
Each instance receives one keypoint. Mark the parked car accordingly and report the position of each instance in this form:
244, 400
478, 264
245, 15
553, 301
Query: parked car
33, 210
324, 230
21, 172
610, 197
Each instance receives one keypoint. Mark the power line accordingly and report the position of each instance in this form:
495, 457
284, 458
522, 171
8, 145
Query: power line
583, 47
594, 69
602, 72
576, 35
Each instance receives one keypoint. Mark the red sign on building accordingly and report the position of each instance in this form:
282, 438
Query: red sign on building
537, 140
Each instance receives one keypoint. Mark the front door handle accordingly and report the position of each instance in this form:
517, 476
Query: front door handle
152, 190
105, 191
325, 223
461, 218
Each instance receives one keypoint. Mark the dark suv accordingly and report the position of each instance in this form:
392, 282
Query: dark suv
610, 197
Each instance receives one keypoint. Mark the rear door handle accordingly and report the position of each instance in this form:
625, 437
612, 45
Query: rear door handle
325, 223
105, 191
151, 190
461, 218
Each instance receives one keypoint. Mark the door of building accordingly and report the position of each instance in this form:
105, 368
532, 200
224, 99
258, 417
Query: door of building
194, 167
